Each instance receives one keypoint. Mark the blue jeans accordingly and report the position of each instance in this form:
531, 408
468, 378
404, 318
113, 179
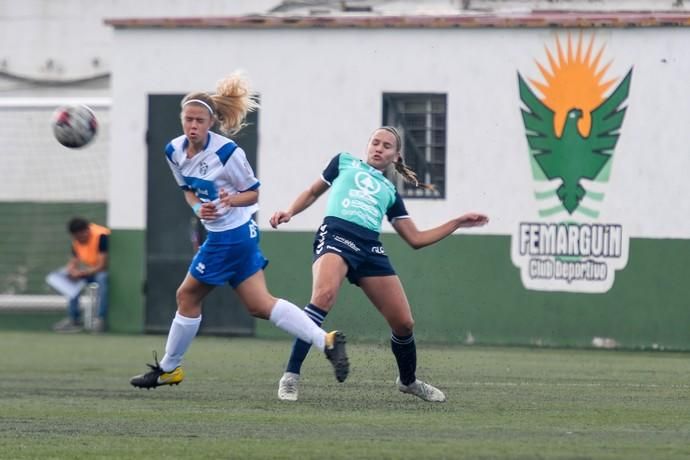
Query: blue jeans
100, 278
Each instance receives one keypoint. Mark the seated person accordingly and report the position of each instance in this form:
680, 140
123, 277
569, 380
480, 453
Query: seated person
88, 264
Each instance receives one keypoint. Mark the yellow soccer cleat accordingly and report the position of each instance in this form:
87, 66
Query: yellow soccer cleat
157, 377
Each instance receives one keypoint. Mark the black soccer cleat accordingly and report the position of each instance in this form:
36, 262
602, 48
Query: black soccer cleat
157, 377
335, 353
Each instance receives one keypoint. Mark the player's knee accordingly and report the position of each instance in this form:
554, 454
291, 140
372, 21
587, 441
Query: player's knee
324, 298
404, 328
258, 310
260, 306
185, 299
180, 296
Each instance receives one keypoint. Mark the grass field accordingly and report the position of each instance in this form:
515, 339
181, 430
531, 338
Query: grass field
68, 397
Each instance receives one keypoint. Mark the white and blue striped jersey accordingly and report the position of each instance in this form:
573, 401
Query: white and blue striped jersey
221, 165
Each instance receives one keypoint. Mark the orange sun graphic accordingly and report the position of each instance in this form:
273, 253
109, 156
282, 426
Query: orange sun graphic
574, 81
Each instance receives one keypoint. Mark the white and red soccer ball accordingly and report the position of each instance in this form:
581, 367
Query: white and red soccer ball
74, 126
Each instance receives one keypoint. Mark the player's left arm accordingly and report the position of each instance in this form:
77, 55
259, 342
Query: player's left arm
242, 177
417, 239
238, 200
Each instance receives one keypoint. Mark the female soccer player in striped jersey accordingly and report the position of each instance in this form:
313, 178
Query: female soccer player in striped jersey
219, 185
347, 245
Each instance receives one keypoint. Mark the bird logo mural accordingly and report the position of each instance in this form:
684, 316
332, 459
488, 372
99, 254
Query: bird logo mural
573, 115
573, 129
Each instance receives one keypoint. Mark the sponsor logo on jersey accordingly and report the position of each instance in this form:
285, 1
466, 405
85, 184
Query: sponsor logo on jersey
346, 242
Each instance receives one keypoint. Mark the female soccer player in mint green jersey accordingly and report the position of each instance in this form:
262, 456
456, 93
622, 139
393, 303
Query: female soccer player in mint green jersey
347, 245
219, 185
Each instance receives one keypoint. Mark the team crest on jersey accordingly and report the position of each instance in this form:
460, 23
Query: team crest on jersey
203, 168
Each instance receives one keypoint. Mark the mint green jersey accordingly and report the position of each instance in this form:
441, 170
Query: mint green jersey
361, 194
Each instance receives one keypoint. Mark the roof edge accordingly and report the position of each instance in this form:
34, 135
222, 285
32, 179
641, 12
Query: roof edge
540, 19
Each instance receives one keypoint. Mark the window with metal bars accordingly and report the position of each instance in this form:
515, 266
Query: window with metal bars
421, 120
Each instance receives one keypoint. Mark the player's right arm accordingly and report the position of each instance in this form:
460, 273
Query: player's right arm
302, 202
206, 211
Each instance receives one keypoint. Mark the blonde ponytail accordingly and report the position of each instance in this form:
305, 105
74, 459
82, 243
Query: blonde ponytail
233, 100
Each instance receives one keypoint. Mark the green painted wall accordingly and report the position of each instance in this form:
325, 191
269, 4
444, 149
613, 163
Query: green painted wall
34, 241
467, 285
127, 259
29, 321
464, 285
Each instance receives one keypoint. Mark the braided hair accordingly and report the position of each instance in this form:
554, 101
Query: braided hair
401, 168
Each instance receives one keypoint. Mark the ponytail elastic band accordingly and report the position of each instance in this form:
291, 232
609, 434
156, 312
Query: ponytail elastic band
196, 208
199, 101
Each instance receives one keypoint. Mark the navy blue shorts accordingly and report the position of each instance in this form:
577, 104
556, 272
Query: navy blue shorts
358, 246
230, 257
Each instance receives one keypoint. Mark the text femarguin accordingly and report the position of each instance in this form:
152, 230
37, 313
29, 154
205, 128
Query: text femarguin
582, 240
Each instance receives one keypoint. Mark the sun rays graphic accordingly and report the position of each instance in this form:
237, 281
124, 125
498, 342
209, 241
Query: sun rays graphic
572, 118
574, 80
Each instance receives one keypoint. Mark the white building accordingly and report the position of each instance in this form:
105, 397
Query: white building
328, 77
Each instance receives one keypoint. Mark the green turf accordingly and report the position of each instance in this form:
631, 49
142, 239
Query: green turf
68, 397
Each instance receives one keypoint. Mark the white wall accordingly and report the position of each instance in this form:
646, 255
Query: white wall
67, 39
321, 94
45, 43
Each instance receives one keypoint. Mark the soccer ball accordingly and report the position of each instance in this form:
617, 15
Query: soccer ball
74, 126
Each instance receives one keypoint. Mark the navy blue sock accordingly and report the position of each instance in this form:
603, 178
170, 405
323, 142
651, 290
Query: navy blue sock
405, 353
300, 348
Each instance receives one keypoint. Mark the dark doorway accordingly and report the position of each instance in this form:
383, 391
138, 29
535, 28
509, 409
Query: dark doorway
170, 225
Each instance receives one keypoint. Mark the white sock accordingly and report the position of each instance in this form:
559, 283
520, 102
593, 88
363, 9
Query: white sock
182, 332
292, 319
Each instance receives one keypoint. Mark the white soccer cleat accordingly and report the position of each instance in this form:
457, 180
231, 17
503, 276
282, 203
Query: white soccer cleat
288, 387
422, 390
